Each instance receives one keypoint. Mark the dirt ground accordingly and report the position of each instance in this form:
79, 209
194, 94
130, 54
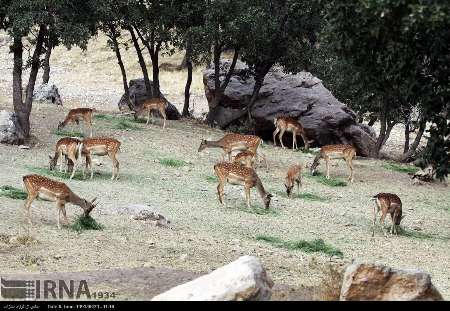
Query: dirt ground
204, 234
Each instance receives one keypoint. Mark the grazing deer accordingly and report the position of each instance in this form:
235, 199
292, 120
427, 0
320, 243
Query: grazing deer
236, 174
285, 124
72, 149
54, 191
150, 105
294, 175
102, 146
246, 158
346, 152
234, 142
387, 203
77, 115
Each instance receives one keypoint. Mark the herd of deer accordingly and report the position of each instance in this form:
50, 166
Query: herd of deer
240, 169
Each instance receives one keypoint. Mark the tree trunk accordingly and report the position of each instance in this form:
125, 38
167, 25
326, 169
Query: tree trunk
154, 55
261, 72
141, 61
46, 74
415, 144
23, 120
390, 126
372, 120
407, 132
187, 89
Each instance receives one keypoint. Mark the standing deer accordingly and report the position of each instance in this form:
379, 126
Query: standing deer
285, 124
102, 146
387, 203
234, 142
346, 152
236, 174
71, 148
294, 175
77, 115
150, 105
54, 191
246, 158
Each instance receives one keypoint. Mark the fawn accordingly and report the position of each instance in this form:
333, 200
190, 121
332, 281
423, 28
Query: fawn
77, 115
285, 124
346, 152
150, 105
387, 203
294, 175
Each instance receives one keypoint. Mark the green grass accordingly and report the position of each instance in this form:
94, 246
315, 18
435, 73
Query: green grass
317, 245
212, 179
172, 162
125, 125
66, 133
57, 173
13, 193
332, 182
400, 168
418, 235
83, 223
105, 117
259, 211
304, 196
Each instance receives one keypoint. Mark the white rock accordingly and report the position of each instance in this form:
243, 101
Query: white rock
243, 279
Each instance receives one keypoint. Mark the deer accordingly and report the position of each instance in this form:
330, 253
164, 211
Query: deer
77, 115
237, 174
150, 105
72, 149
346, 152
387, 203
246, 158
102, 146
285, 124
54, 191
234, 142
293, 176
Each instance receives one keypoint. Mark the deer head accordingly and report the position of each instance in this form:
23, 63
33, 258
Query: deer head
289, 189
203, 145
52, 162
60, 125
89, 206
267, 199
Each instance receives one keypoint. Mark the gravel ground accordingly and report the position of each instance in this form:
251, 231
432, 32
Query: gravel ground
204, 234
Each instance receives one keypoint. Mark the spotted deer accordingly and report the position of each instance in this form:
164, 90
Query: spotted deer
150, 105
293, 176
387, 203
53, 191
346, 152
71, 148
235, 142
285, 124
77, 115
102, 146
237, 174
246, 158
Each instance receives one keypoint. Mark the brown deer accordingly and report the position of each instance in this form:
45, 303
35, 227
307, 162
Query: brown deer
150, 105
237, 174
77, 115
69, 147
234, 142
53, 191
387, 203
246, 158
346, 152
285, 124
102, 146
294, 175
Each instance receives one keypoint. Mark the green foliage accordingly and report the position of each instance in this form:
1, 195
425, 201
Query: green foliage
172, 162
400, 168
66, 133
125, 125
317, 245
13, 193
83, 223
55, 173
332, 182
212, 179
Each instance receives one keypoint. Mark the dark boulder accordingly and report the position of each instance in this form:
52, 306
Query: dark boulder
301, 96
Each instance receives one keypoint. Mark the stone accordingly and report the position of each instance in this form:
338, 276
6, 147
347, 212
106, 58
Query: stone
301, 96
138, 94
144, 213
9, 128
243, 279
48, 93
378, 282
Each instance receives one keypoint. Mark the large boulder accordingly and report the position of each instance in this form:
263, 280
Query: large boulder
243, 279
48, 93
138, 94
377, 282
301, 96
9, 128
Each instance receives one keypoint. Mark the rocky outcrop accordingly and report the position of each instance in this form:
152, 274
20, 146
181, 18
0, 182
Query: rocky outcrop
138, 94
377, 282
301, 96
9, 128
243, 279
47, 93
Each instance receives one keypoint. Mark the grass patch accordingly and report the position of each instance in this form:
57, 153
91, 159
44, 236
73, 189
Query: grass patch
13, 193
332, 182
317, 245
259, 211
304, 196
83, 223
105, 117
419, 235
125, 125
57, 173
66, 133
212, 179
172, 162
309, 151
400, 168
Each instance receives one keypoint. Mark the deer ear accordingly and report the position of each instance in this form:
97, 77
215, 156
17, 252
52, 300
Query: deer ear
92, 202
50, 157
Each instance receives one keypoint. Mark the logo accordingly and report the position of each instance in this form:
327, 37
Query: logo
44, 289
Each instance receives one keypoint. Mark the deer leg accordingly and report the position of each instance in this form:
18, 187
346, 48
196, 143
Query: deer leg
305, 141
220, 191
59, 208
247, 195
66, 220
115, 173
277, 130
350, 165
90, 128
294, 140
75, 166
382, 221
148, 117
281, 138
30, 198
163, 114
327, 162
